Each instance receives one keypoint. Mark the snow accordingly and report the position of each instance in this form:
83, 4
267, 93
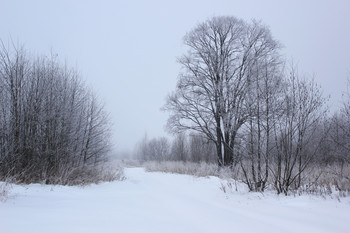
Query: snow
159, 202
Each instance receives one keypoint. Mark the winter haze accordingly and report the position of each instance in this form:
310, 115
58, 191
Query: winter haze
127, 50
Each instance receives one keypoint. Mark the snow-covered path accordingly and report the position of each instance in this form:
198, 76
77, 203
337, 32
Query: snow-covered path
157, 202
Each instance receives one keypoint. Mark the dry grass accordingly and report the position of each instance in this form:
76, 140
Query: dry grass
201, 169
88, 175
77, 177
84, 175
4, 190
329, 181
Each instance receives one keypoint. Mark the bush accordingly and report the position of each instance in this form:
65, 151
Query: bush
52, 127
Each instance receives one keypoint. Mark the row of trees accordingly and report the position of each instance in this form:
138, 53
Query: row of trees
236, 92
192, 148
50, 122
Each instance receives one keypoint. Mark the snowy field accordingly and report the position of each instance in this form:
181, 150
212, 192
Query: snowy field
158, 202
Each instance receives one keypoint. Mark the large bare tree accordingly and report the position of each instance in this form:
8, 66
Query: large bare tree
212, 89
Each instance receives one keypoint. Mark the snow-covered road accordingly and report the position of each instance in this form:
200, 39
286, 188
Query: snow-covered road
158, 202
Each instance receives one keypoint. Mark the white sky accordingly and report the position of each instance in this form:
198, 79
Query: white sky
127, 50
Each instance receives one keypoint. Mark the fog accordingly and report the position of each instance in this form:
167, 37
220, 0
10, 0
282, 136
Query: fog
127, 50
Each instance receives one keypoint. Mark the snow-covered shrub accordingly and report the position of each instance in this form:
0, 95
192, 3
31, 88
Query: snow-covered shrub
331, 180
88, 175
52, 125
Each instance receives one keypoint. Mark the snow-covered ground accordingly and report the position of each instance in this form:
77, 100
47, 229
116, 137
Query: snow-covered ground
158, 202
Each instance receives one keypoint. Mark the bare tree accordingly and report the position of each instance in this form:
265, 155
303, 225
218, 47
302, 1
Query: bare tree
294, 131
13, 73
201, 149
155, 149
339, 133
141, 149
211, 92
159, 149
179, 148
263, 101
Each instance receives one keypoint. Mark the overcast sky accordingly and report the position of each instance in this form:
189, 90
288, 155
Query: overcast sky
127, 50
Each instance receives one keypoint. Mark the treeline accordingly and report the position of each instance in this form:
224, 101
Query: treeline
51, 124
236, 92
187, 148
